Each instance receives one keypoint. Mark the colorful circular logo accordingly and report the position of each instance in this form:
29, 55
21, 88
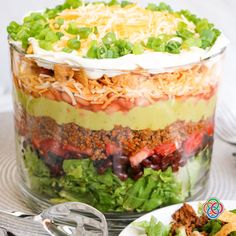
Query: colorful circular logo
213, 208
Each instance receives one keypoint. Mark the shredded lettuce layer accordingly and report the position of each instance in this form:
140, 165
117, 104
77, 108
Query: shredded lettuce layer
107, 192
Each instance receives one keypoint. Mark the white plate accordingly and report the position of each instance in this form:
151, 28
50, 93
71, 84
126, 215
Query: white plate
164, 215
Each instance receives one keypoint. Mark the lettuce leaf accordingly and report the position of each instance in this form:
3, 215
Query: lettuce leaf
212, 227
153, 228
107, 192
39, 177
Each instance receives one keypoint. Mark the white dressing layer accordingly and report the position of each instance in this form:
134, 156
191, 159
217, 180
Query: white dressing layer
153, 62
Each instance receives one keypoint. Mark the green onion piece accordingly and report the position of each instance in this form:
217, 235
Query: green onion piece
152, 7
99, 2
25, 42
92, 52
156, 44
182, 25
113, 2
102, 52
115, 51
67, 50
212, 227
184, 34
202, 25
61, 7
208, 38
125, 3
95, 30
149, 42
164, 7
110, 53
45, 45
161, 7
73, 44
59, 34
43, 34
109, 38
72, 28
36, 28
192, 42
217, 33
23, 35
191, 17
58, 23
138, 49
183, 31
51, 13
84, 32
124, 47
13, 28
73, 3
173, 47
51, 37
35, 16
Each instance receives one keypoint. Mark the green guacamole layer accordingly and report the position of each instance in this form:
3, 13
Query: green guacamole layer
154, 117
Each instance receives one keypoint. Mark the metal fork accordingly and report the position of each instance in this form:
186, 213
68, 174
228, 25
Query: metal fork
73, 218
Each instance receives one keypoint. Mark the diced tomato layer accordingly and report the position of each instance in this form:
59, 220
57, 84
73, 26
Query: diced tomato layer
210, 129
73, 149
125, 104
165, 149
112, 149
53, 146
140, 156
49, 145
36, 142
193, 143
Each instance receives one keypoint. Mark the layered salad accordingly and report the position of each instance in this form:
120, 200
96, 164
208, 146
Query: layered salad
115, 103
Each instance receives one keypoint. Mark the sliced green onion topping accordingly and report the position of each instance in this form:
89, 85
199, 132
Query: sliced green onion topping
73, 3
192, 42
51, 37
138, 49
173, 47
113, 2
109, 38
84, 32
72, 28
37, 25
73, 44
161, 7
45, 45
125, 3
67, 50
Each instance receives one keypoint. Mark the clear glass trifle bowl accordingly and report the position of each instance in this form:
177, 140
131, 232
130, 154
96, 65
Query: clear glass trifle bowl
125, 139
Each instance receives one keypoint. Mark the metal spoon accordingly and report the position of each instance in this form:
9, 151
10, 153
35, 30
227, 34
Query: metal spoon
73, 218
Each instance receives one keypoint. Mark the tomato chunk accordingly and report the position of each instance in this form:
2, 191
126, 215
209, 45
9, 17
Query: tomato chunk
193, 143
165, 149
140, 156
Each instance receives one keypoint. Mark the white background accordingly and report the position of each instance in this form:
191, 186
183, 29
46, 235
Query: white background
221, 12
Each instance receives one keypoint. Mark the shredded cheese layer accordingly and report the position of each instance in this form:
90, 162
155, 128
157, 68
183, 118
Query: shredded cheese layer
131, 22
